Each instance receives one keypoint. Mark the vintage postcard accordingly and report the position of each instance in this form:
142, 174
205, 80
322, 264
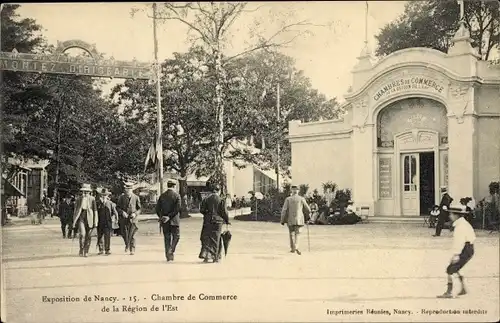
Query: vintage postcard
250, 161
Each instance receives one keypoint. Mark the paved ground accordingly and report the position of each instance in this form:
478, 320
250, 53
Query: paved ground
381, 267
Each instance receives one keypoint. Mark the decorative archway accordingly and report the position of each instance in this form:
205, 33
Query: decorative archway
57, 63
407, 114
411, 137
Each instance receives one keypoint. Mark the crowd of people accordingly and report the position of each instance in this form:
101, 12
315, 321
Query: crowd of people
88, 212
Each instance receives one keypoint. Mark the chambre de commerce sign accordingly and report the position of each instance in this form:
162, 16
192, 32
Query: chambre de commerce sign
409, 84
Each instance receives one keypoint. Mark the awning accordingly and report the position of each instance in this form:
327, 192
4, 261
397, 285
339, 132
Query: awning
269, 173
9, 189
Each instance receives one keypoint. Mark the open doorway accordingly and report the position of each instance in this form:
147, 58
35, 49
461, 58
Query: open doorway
427, 181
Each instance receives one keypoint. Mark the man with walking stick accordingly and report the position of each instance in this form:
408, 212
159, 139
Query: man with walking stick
85, 217
295, 214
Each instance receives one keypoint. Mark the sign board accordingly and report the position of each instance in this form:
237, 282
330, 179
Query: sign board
385, 177
409, 83
58, 63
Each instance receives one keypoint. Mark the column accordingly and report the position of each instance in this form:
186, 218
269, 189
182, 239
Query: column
363, 170
461, 143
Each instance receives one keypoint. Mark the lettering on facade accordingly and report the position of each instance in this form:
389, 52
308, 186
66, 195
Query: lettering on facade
410, 83
84, 68
385, 177
445, 168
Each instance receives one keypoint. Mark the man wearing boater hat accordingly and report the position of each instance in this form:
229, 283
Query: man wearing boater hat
129, 207
463, 249
107, 214
446, 201
85, 217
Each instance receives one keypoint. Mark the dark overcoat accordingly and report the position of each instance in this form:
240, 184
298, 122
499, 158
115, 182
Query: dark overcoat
107, 214
169, 204
214, 209
127, 205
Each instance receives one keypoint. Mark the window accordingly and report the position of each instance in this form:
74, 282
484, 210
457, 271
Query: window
410, 180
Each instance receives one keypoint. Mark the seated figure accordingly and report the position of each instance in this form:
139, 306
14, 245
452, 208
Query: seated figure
350, 208
433, 217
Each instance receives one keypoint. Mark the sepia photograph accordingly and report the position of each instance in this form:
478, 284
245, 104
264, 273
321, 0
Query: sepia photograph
273, 161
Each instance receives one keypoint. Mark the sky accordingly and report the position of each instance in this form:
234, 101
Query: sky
326, 54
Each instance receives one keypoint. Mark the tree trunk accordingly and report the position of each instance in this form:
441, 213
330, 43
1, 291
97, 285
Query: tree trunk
219, 95
58, 154
183, 194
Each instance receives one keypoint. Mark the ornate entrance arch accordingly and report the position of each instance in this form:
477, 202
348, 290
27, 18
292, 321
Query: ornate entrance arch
412, 136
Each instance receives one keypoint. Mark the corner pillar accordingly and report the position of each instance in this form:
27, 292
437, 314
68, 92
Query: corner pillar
363, 170
461, 157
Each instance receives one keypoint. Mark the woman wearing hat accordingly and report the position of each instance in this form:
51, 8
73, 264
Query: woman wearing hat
85, 217
463, 249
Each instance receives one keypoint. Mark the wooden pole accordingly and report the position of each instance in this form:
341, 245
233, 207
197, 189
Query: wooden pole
278, 146
158, 105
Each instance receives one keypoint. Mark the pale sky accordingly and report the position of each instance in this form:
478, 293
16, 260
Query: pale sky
326, 57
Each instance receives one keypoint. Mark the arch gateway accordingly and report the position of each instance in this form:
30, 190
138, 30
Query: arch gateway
415, 121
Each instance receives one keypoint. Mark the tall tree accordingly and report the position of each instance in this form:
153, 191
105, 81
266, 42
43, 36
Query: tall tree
188, 120
257, 76
211, 24
433, 23
62, 118
188, 102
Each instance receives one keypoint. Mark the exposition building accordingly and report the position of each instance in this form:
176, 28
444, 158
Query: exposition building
415, 121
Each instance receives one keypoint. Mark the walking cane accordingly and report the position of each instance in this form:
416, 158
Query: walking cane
308, 239
72, 240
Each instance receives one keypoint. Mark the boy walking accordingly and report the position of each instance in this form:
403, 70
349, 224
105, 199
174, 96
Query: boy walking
463, 250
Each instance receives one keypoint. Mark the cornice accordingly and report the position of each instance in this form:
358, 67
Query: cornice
421, 64
320, 136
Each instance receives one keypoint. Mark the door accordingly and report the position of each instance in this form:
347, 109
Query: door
410, 186
427, 181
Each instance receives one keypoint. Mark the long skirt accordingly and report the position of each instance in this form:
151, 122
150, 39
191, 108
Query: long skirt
213, 246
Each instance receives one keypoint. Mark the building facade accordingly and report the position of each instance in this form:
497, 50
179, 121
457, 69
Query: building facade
31, 179
415, 121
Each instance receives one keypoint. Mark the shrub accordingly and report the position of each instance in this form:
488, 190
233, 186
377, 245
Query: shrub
329, 185
494, 188
303, 188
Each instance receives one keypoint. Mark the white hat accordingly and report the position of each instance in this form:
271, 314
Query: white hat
86, 188
128, 184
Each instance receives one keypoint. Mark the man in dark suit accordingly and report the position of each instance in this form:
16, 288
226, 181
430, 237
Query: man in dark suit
215, 214
168, 210
107, 214
128, 207
66, 216
443, 211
